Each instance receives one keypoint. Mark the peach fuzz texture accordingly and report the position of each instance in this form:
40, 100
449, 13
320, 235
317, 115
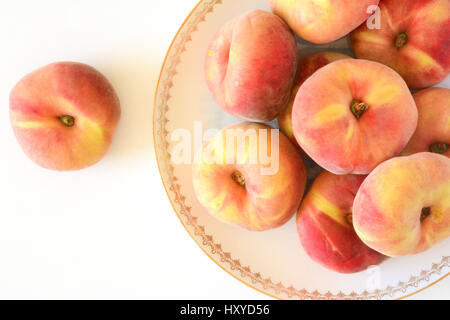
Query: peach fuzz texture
265, 201
423, 60
323, 21
329, 132
59, 89
251, 64
388, 209
434, 122
325, 228
306, 68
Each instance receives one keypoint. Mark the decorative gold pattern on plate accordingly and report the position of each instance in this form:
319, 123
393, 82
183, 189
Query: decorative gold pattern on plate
173, 188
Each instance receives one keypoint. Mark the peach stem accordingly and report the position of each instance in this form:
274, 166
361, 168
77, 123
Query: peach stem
67, 120
349, 218
425, 213
439, 147
238, 178
358, 108
401, 40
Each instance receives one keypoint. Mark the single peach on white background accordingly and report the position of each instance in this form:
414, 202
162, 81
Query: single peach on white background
64, 115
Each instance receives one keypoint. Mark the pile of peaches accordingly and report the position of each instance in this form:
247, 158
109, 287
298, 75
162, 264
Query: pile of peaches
375, 125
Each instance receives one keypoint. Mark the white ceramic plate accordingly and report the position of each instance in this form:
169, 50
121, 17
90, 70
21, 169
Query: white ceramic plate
272, 262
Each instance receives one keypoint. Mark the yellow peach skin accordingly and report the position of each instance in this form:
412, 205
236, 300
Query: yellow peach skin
323, 21
433, 130
403, 207
352, 114
64, 115
232, 187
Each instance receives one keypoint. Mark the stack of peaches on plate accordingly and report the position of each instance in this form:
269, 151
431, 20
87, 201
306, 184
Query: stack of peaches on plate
385, 186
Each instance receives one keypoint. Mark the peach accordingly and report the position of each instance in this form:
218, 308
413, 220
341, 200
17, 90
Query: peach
403, 207
250, 66
251, 176
413, 40
433, 130
351, 115
64, 115
325, 227
323, 21
306, 68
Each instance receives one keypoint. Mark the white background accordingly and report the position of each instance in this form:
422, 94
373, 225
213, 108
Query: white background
107, 232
